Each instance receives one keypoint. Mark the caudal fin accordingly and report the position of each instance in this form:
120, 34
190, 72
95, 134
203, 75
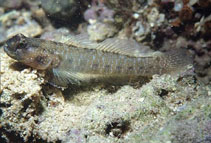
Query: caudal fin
178, 60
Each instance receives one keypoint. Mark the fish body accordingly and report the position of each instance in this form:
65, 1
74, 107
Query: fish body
78, 62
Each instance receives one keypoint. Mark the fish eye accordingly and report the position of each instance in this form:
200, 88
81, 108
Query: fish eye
17, 42
21, 45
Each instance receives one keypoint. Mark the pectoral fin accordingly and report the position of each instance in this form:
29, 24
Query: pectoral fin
61, 78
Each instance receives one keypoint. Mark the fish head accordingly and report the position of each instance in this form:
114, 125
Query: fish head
16, 46
29, 52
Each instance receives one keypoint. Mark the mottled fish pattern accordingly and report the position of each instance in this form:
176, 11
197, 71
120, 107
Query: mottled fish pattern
80, 61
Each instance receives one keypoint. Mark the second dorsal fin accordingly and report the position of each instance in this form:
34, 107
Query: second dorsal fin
127, 47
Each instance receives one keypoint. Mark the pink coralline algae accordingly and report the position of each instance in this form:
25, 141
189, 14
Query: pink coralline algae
99, 11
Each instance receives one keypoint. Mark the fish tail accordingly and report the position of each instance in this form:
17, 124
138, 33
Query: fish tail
178, 59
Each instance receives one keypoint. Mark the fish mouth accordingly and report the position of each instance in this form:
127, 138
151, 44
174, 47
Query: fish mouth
6, 50
10, 53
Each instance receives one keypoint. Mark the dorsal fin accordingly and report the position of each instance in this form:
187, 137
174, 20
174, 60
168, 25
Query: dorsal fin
80, 41
127, 47
123, 46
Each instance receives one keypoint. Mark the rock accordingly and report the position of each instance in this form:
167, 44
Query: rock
99, 12
140, 30
10, 4
22, 102
191, 124
58, 35
100, 31
155, 18
15, 22
60, 9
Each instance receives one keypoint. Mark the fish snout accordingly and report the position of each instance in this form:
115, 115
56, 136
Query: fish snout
15, 45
